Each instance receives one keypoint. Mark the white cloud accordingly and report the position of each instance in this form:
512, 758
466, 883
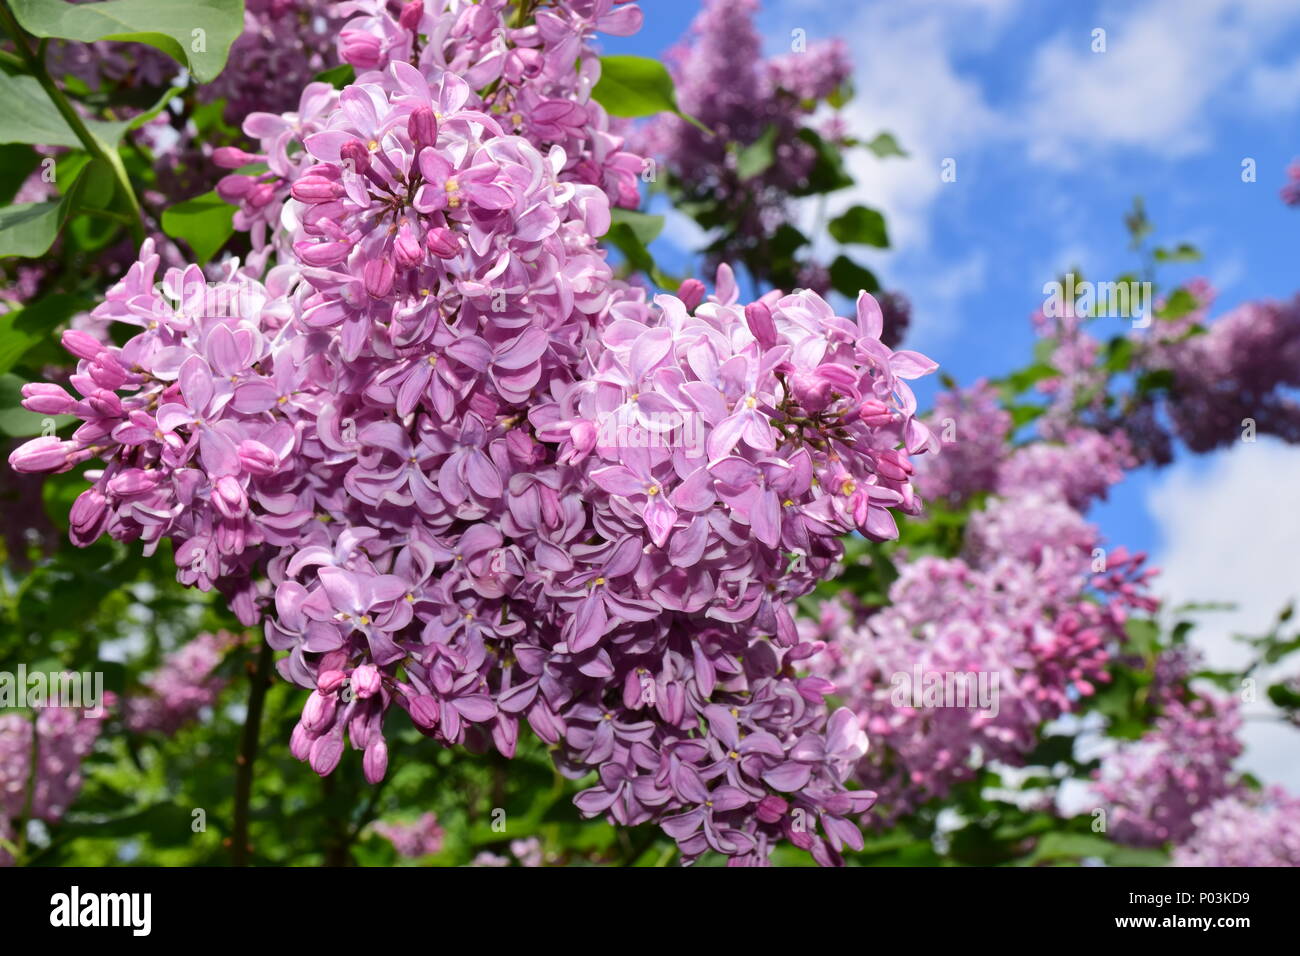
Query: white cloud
906, 83
1276, 89
1163, 63
1230, 526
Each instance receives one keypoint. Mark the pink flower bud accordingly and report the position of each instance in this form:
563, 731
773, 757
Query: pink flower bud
691, 293
424, 711
48, 453
407, 251
108, 375
300, 741
105, 404
229, 498
260, 196
409, 19
234, 187
366, 681
442, 242
232, 157
771, 809
256, 458
327, 682
355, 154
523, 64
378, 276
423, 128
892, 465
82, 344
133, 481
316, 189
318, 712
875, 413
88, 511
322, 254
361, 49
759, 319
375, 762
326, 753
45, 398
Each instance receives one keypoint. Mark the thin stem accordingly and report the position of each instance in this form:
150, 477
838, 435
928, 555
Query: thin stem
36, 66
240, 850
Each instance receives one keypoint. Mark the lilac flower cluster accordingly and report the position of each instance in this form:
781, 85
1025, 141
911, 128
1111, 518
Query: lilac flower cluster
1070, 464
460, 471
182, 687
723, 80
1243, 367
418, 838
1032, 627
64, 738
973, 429
1026, 604
1154, 787
526, 852
1244, 829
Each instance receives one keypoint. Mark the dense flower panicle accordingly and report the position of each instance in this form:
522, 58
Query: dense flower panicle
1243, 367
1029, 625
1244, 829
973, 429
722, 79
64, 738
1033, 604
1079, 471
527, 852
458, 469
1154, 788
182, 687
418, 838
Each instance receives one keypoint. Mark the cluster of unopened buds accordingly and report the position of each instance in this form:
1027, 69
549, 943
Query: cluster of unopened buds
395, 447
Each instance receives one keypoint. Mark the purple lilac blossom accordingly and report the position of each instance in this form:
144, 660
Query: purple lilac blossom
457, 470
64, 738
182, 687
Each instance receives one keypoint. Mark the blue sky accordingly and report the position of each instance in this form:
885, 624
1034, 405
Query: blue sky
1052, 142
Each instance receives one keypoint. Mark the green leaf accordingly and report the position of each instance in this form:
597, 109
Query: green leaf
1119, 354
30, 117
623, 237
758, 156
637, 86
29, 229
1155, 380
17, 162
828, 173
204, 222
197, 34
848, 278
646, 226
23, 329
1185, 252
1179, 304
860, 225
1026, 378
1023, 414
1283, 696
337, 77
884, 146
